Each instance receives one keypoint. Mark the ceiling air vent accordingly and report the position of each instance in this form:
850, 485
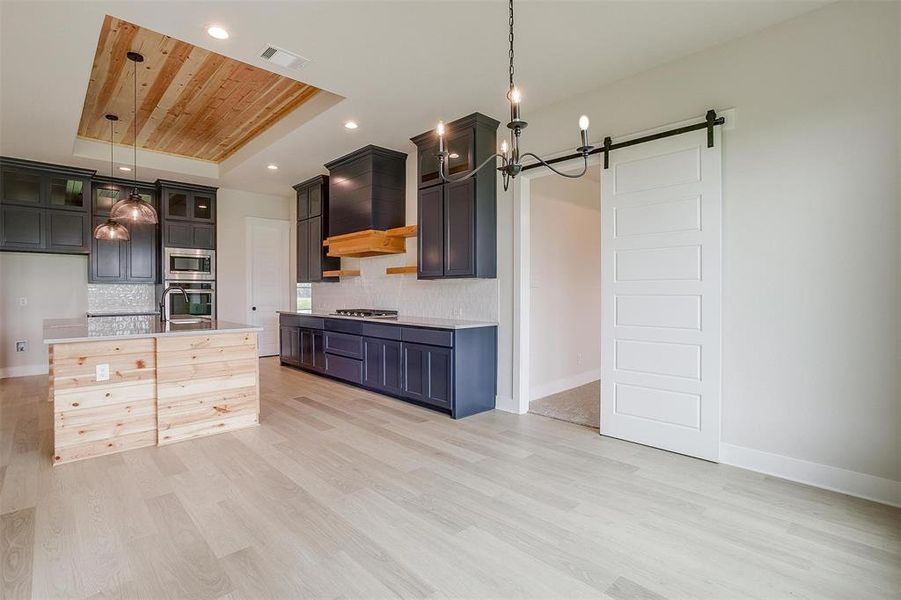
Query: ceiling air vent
283, 58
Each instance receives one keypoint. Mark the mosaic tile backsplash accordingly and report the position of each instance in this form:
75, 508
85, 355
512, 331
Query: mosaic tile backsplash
138, 297
474, 299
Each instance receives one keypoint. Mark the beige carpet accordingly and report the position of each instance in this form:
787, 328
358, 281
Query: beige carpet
579, 405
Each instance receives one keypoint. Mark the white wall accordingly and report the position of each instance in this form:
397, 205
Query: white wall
231, 246
811, 221
54, 286
565, 295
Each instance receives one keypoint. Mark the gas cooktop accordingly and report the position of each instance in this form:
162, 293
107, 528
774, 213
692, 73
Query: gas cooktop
364, 313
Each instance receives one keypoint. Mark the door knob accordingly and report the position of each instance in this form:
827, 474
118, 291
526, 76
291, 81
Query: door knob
253, 308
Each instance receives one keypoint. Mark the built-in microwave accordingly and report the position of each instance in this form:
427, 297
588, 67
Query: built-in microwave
189, 264
200, 301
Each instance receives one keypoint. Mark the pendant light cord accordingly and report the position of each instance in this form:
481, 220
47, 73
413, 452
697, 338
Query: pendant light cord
135, 144
110, 148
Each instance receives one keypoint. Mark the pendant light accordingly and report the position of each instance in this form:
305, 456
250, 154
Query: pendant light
134, 209
110, 229
509, 155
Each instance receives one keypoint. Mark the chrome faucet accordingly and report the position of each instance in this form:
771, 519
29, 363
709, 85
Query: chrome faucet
164, 309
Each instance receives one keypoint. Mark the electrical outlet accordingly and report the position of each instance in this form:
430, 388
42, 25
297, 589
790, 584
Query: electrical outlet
101, 372
23, 301
22, 346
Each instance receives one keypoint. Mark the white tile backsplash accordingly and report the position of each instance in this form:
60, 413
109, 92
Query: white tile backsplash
121, 297
473, 299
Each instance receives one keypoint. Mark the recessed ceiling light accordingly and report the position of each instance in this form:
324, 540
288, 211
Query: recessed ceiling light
272, 167
351, 125
454, 155
125, 168
217, 32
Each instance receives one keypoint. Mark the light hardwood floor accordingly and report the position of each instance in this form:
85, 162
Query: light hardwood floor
345, 494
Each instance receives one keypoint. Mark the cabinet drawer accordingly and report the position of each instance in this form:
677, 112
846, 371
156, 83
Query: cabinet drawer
344, 326
386, 332
432, 337
342, 367
301, 321
344, 344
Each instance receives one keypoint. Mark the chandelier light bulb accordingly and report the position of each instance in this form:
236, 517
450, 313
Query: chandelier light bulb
440, 128
504, 148
583, 123
515, 96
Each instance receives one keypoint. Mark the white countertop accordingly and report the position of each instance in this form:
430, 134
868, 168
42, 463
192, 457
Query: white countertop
95, 329
400, 320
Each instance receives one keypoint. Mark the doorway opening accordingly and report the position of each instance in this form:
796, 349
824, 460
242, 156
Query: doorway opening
565, 298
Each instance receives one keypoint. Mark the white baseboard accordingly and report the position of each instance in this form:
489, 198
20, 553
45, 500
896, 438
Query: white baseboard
566, 383
861, 485
508, 404
22, 371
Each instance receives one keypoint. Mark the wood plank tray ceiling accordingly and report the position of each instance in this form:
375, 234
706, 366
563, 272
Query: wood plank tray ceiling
191, 102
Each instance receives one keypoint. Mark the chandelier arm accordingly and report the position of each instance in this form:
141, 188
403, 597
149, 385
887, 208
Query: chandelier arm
562, 174
446, 177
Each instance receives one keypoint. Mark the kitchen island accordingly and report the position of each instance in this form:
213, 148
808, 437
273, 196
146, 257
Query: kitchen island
119, 383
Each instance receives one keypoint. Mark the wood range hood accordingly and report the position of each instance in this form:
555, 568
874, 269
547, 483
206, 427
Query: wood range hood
367, 193
370, 242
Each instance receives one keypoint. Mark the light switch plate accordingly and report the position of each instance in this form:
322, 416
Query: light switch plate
21, 346
101, 372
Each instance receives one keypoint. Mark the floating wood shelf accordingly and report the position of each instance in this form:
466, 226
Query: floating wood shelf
370, 242
402, 232
341, 273
400, 270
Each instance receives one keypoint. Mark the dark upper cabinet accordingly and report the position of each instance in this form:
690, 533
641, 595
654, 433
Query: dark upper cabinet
367, 190
187, 202
203, 236
44, 207
108, 263
430, 233
21, 228
178, 234
67, 231
313, 214
21, 186
187, 215
315, 198
457, 222
303, 249
135, 260
303, 201
459, 229
142, 254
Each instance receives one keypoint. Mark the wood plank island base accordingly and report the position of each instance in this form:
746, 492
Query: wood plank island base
119, 383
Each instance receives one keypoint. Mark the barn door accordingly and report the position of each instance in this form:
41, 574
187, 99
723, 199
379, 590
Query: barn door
661, 260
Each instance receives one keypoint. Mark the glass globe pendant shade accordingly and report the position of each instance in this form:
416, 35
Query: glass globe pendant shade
133, 210
111, 231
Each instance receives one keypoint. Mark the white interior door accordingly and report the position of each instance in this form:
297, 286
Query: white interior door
268, 291
661, 230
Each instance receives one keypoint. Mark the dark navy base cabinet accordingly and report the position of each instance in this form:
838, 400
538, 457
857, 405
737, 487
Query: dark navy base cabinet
454, 371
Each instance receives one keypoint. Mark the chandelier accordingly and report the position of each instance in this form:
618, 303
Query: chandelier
510, 155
